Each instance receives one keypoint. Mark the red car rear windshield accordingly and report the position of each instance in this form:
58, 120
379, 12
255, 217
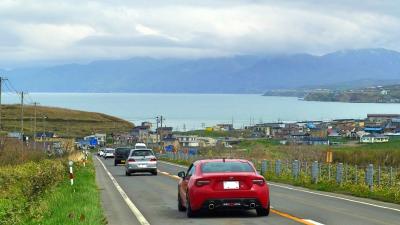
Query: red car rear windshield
226, 167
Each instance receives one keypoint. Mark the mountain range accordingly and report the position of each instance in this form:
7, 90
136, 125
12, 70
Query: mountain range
238, 74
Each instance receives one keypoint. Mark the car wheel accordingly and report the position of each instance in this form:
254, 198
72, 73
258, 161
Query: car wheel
263, 212
127, 173
154, 173
181, 208
189, 212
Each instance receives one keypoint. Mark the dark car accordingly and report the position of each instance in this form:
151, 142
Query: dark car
121, 154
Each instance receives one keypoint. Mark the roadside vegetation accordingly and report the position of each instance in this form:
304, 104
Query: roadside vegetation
35, 188
64, 122
78, 204
384, 154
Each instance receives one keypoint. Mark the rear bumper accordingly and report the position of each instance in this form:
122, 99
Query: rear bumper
133, 167
231, 203
236, 199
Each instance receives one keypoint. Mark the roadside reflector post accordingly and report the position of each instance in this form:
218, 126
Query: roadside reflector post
295, 169
356, 171
71, 172
391, 176
379, 175
264, 167
369, 176
278, 167
314, 172
329, 172
339, 173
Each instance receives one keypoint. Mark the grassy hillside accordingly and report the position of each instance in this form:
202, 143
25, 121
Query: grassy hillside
64, 122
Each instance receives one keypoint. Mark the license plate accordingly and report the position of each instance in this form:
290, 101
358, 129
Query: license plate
142, 166
231, 185
122, 161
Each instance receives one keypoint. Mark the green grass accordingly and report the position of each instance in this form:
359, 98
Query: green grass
66, 205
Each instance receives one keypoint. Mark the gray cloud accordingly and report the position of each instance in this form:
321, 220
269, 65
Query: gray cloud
78, 30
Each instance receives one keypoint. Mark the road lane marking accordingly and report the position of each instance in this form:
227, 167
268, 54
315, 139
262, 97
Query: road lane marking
142, 220
336, 197
288, 216
299, 220
314, 222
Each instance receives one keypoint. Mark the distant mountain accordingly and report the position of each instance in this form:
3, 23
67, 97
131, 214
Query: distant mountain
240, 74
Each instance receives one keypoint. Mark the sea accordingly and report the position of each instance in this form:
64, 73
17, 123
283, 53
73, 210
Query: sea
186, 112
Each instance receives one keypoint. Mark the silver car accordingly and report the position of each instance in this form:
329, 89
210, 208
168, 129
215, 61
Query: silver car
141, 160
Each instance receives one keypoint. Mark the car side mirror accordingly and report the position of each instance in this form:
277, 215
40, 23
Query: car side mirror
182, 174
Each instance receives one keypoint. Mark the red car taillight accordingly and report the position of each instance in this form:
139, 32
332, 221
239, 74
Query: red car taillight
131, 160
154, 159
259, 182
200, 183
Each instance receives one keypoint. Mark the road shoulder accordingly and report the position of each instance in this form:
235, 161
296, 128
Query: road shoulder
115, 209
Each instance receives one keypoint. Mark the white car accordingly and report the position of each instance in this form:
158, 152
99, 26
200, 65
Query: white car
100, 152
140, 146
109, 153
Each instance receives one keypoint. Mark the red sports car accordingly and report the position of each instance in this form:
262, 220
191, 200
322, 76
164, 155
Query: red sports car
222, 184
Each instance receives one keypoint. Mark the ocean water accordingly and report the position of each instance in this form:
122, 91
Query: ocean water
194, 111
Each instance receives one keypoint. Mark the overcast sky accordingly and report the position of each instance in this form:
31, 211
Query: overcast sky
61, 31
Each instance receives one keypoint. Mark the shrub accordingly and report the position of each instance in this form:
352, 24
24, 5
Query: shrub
22, 185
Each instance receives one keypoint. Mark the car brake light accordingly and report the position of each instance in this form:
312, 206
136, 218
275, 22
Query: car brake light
131, 160
202, 182
259, 181
153, 159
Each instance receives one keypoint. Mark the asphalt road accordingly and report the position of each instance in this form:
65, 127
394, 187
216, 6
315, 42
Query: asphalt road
154, 197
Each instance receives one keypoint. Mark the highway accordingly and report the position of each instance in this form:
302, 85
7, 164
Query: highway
146, 199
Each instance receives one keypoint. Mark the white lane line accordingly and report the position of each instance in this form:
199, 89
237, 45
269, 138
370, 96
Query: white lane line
142, 220
313, 222
336, 197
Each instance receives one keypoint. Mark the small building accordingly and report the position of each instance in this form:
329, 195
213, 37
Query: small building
190, 141
224, 127
312, 141
164, 132
207, 142
141, 133
380, 118
374, 138
16, 135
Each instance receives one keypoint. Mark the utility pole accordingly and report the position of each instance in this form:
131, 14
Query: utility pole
34, 125
161, 120
22, 113
1, 85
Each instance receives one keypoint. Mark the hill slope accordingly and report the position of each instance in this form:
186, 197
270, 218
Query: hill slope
63, 122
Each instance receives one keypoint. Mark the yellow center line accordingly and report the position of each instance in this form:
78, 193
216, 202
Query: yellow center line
287, 216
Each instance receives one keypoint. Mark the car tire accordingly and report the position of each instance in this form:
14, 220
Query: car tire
127, 173
154, 173
189, 212
263, 212
181, 208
